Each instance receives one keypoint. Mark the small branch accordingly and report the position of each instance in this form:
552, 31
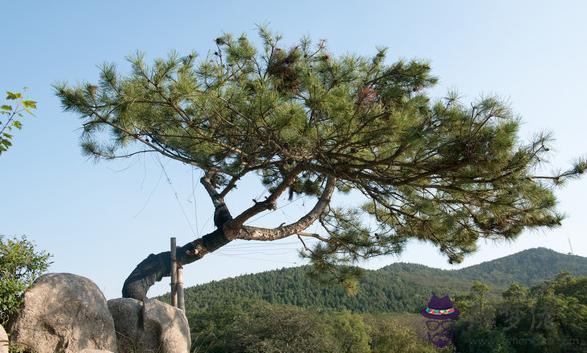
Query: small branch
304, 244
231, 184
120, 156
10, 119
154, 146
217, 199
555, 178
270, 201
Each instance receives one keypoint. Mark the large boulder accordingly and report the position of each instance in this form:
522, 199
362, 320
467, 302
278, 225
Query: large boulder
64, 313
149, 327
3, 340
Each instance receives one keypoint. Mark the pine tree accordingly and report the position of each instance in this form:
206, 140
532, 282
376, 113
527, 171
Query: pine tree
311, 123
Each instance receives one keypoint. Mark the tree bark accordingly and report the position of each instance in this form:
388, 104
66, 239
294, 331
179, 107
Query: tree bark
156, 266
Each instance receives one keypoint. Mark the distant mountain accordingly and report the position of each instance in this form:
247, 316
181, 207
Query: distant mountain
527, 267
399, 287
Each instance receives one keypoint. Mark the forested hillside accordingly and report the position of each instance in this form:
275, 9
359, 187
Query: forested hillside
398, 287
550, 317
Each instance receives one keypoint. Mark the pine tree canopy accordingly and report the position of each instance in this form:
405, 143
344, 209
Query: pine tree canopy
311, 123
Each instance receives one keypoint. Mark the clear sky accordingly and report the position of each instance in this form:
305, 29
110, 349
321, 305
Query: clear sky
100, 220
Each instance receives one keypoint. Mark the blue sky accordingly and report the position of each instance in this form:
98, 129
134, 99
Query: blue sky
99, 220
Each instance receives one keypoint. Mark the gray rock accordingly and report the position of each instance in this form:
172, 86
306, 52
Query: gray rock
3, 340
149, 327
64, 313
94, 351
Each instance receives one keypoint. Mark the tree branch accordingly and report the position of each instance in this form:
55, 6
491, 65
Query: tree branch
267, 234
269, 202
217, 199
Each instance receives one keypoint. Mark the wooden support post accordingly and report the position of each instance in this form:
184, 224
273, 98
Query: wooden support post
173, 272
180, 293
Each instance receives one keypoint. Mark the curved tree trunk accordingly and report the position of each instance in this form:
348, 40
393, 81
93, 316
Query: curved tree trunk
155, 267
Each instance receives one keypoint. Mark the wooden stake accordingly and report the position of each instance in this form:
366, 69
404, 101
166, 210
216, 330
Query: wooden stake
173, 272
180, 293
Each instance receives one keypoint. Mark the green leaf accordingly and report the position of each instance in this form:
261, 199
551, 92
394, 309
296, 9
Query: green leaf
29, 104
13, 96
6, 107
17, 124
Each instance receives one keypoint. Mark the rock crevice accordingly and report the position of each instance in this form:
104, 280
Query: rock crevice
150, 326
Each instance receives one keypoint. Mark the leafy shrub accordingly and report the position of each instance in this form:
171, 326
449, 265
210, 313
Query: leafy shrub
389, 336
480, 338
20, 265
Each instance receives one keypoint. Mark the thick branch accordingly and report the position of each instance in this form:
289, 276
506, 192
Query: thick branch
258, 233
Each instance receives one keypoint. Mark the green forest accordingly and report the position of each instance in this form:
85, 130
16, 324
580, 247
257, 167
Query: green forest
532, 301
399, 287
550, 317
